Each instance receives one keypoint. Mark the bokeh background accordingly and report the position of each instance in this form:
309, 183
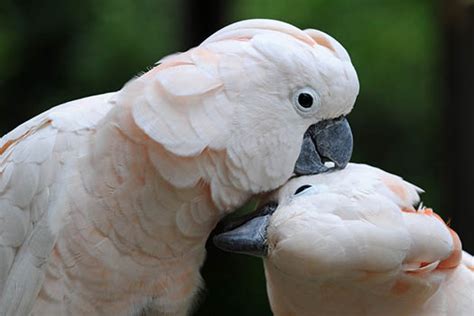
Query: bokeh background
414, 115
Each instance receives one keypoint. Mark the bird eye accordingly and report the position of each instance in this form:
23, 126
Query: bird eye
302, 188
306, 101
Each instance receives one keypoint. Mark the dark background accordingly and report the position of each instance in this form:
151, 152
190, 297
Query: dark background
414, 115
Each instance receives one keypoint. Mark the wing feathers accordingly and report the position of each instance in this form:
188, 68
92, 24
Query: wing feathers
27, 273
31, 157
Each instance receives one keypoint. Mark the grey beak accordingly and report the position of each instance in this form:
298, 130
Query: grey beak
329, 140
247, 235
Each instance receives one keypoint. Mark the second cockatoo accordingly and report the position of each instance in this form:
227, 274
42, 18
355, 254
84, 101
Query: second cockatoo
106, 202
353, 242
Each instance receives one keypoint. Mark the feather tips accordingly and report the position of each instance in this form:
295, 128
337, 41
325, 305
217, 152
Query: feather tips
30, 161
180, 106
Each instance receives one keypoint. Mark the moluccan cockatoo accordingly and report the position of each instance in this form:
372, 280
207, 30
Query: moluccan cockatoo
106, 202
351, 242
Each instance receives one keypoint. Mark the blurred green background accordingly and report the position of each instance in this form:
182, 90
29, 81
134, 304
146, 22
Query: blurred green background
55, 51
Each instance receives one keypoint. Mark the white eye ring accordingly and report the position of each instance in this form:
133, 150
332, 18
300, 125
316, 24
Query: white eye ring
306, 101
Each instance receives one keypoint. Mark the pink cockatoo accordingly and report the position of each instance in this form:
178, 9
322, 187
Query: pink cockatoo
353, 242
106, 202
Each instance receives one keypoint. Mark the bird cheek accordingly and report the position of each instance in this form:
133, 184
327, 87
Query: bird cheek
291, 257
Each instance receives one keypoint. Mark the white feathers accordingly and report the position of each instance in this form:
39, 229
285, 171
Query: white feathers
24, 185
233, 94
181, 105
172, 112
187, 81
5, 176
13, 225
107, 201
353, 244
430, 239
30, 161
247, 29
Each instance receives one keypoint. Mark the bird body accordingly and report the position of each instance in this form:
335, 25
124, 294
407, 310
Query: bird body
107, 241
106, 202
351, 242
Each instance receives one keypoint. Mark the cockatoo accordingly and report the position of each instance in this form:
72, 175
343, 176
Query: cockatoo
106, 202
351, 242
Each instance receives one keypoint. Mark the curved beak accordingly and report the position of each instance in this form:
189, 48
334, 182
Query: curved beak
247, 235
329, 140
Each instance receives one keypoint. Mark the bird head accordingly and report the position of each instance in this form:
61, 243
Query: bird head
307, 221
271, 97
291, 90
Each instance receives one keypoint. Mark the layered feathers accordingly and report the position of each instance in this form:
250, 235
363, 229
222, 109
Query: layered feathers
354, 244
106, 202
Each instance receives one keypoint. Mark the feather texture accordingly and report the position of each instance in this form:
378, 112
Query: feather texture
106, 202
353, 244
31, 160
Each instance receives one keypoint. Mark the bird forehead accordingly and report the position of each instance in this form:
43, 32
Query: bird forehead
355, 180
305, 208
318, 184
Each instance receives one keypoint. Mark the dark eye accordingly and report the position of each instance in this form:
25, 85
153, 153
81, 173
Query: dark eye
305, 100
302, 188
